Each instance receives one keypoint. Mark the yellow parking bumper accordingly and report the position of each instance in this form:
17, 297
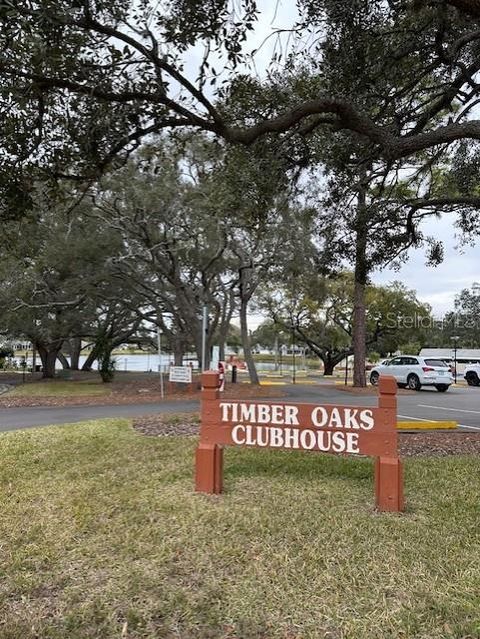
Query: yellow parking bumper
431, 425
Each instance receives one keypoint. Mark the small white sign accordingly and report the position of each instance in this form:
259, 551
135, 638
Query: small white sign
180, 374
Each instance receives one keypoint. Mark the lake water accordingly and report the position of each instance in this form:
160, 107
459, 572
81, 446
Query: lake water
150, 362
138, 363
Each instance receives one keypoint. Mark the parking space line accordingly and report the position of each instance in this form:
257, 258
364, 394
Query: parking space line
472, 427
452, 410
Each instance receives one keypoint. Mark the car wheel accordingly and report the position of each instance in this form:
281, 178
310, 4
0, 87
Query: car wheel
374, 378
413, 382
441, 388
472, 379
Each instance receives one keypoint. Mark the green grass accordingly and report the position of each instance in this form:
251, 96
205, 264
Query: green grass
102, 536
56, 388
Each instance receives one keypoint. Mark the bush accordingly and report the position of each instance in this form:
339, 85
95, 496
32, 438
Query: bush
106, 367
106, 363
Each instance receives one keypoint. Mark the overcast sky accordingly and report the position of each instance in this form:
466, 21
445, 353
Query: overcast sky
438, 286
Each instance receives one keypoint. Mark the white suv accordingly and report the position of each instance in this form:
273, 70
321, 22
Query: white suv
472, 374
414, 372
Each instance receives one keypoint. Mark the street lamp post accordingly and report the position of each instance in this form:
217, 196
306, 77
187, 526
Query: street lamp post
455, 339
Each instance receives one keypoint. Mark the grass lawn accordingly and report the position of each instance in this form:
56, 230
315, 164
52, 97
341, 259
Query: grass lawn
56, 388
101, 536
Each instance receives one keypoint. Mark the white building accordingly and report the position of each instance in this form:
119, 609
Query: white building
463, 355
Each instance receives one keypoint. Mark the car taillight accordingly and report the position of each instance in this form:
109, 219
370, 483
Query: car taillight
426, 369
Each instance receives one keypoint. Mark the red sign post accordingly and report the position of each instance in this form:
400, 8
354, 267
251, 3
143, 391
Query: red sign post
350, 430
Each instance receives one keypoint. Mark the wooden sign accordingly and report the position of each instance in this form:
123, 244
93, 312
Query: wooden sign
344, 430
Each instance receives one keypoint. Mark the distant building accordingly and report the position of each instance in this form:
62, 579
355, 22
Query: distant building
258, 349
18, 344
464, 355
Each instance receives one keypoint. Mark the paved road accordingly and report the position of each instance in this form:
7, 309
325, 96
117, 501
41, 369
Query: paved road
15, 418
461, 404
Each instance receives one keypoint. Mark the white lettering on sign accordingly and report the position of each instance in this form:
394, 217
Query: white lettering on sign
306, 439
352, 418
260, 413
180, 374
238, 434
273, 425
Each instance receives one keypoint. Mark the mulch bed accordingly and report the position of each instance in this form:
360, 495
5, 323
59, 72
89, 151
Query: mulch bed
433, 444
185, 424
439, 444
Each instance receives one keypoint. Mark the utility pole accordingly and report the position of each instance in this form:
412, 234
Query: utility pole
160, 371
293, 354
204, 337
276, 352
455, 339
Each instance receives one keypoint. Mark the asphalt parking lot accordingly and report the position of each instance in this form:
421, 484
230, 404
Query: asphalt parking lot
460, 403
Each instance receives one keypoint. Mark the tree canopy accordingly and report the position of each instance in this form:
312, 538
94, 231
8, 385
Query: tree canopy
83, 84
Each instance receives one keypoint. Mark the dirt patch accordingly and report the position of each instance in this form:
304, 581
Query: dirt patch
409, 444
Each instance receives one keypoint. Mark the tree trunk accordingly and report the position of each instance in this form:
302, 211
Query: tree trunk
247, 351
48, 354
222, 338
328, 367
75, 350
63, 361
359, 336
178, 353
359, 333
91, 357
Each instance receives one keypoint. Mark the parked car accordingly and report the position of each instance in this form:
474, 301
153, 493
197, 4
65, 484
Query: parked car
414, 372
472, 374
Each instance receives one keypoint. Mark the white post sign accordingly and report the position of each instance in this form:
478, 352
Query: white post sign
180, 374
